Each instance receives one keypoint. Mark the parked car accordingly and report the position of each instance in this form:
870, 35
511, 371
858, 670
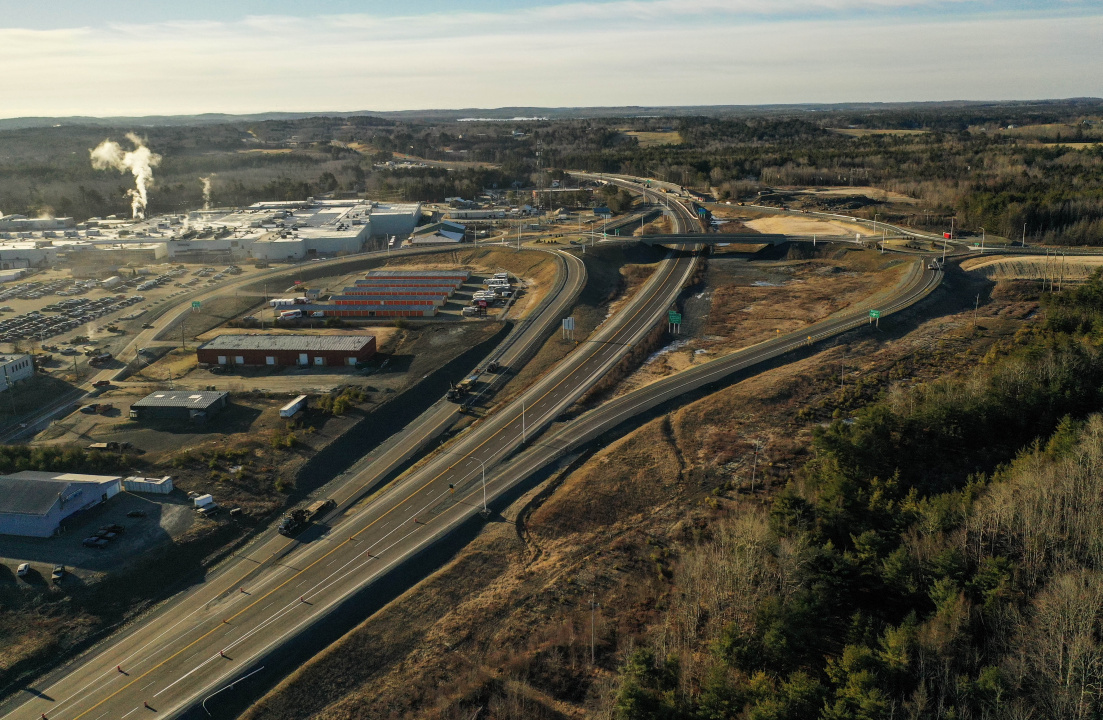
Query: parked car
94, 542
58, 573
115, 528
136, 514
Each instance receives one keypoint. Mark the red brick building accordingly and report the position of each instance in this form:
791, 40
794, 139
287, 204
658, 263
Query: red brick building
287, 350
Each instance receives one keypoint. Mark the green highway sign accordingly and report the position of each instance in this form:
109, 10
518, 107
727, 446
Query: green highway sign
675, 317
875, 314
195, 304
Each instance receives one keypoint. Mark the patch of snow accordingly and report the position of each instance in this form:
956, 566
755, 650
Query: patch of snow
676, 345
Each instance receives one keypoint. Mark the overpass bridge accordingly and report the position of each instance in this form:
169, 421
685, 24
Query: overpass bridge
678, 240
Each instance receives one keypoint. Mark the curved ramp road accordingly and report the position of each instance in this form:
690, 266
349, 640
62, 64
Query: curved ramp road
217, 633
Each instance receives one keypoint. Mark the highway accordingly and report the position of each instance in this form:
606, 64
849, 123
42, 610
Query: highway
206, 637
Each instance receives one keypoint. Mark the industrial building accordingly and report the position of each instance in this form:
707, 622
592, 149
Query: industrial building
381, 299
264, 231
441, 233
190, 405
445, 291
14, 368
393, 293
287, 350
371, 311
37, 504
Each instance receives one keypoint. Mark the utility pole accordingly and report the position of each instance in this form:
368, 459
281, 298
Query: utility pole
976, 306
485, 511
593, 627
1024, 234
754, 467
11, 393
982, 233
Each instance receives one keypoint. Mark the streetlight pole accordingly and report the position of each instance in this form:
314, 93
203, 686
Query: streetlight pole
982, 232
524, 430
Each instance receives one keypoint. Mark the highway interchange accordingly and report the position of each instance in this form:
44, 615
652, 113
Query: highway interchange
198, 642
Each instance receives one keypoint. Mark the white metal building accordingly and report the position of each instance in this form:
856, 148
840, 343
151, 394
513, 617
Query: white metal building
13, 369
35, 504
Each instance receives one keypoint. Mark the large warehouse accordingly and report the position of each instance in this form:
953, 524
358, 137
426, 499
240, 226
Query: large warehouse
193, 405
287, 350
36, 504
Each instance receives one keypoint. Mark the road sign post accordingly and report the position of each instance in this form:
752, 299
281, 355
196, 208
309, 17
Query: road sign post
195, 305
674, 321
568, 328
875, 316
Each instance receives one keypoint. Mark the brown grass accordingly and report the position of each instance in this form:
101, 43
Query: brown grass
503, 630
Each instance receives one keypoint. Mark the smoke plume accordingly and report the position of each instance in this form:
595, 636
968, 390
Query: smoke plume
206, 191
140, 161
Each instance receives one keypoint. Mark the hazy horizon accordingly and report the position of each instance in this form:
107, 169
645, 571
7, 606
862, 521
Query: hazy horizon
121, 58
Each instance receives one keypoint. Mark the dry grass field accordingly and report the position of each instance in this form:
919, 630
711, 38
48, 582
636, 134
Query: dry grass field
866, 132
795, 225
654, 139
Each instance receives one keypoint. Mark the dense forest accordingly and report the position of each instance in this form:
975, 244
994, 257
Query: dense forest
940, 556
1011, 169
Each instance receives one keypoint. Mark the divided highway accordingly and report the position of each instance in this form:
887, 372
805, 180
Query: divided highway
221, 630
224, 629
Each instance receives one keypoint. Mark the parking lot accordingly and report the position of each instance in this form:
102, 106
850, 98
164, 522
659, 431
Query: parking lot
49, 308
60, 317
162, 518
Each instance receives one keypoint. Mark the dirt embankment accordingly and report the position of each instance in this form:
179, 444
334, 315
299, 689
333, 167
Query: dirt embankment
1059, 268
504, 630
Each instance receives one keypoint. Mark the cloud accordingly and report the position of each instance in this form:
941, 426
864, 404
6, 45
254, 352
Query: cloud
662, 52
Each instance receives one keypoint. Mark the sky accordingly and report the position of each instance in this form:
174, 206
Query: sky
122, 57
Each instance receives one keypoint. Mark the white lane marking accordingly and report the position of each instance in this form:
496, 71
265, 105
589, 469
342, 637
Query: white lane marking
381, 539
326, 582
131, 713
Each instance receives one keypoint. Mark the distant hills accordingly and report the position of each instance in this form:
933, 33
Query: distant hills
510, 113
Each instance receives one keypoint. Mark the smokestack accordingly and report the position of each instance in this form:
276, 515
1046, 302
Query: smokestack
140, 161
206, 191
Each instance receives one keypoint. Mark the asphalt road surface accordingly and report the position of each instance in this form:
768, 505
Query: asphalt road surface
210, 635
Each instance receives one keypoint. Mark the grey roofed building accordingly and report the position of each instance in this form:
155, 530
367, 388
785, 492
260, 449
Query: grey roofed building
36, 503
179, 405
296, 343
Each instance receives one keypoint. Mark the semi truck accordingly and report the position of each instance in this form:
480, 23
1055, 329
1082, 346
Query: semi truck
462, 389
297, 520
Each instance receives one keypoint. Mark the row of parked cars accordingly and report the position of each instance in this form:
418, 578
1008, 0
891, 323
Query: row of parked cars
36, 325
35, 290
58, 573
103, 537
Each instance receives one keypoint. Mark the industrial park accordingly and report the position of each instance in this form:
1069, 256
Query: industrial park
515, 398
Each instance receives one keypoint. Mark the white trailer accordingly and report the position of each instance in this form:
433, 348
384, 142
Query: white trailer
293, 407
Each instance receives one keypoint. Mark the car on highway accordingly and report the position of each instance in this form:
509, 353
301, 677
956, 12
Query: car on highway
58, 573
102, 383
94, 542
23, 569
147, 326
136, 514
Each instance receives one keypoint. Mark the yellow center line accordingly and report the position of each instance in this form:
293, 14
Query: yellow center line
344, 542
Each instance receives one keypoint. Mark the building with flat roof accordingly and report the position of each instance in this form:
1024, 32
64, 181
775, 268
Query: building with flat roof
37, 504
191, 405
287, 350
15, 368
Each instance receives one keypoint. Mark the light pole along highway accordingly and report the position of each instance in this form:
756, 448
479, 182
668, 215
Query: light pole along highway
198, 643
